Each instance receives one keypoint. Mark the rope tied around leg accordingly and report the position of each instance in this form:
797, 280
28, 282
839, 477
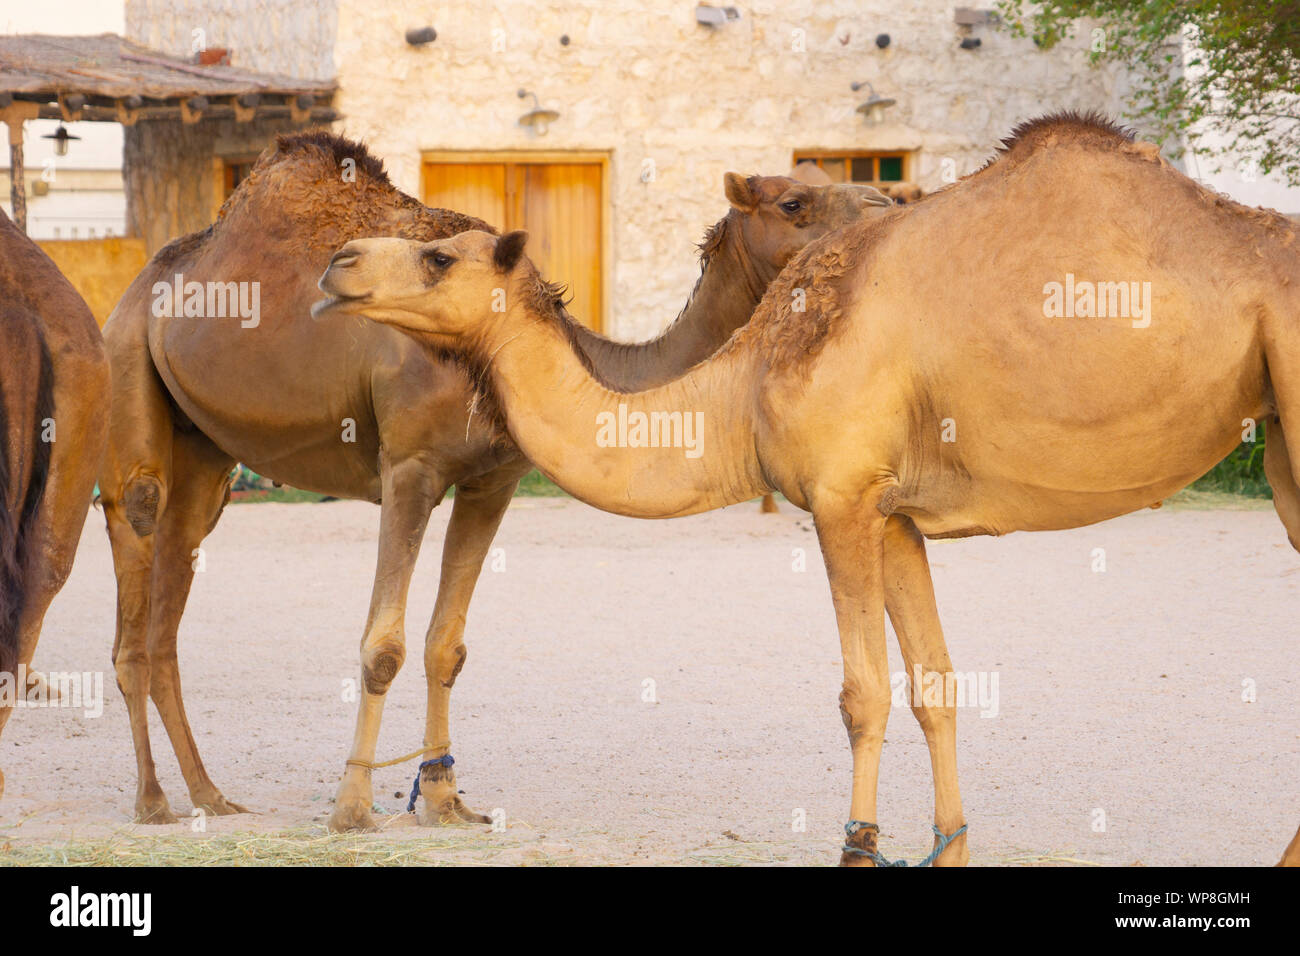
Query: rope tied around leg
444, 761
853, 826
371, 765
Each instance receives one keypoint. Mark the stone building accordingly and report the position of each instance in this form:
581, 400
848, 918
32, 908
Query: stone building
634, 110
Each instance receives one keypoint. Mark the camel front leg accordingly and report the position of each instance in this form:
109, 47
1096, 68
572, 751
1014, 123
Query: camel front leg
476, 514
851, 533
909, 599
409, 494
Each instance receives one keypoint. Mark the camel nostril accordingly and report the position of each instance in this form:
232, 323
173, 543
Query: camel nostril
343, 258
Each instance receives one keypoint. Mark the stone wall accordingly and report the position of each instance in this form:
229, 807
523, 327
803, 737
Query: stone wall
656, 91
292, 37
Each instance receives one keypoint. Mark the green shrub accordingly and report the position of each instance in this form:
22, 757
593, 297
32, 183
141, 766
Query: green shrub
1241, 473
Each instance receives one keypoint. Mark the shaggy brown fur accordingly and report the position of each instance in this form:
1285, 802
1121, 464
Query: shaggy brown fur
304, 172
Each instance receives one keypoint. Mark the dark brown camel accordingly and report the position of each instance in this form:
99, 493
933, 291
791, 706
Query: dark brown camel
54, 390
351, 409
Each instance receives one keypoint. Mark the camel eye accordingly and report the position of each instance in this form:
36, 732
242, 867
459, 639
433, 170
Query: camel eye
792, 206
440, 259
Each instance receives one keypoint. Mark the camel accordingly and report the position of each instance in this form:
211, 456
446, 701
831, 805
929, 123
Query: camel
54, 382
349, 409
903, 193
977, 402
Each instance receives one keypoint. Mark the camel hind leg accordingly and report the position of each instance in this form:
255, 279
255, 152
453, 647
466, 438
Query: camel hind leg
199, 488
1278, 467
133, 486
80, 419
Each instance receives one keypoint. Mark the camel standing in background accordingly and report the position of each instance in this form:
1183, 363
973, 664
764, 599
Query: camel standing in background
54, 387
350, 409
975, 402
903, 193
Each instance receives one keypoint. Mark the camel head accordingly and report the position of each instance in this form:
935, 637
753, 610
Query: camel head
903, 193
778, 216
440, 290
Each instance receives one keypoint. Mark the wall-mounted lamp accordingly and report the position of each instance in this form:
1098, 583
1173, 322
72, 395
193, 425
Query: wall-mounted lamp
61, 138
539, 119
711, 16
874, 107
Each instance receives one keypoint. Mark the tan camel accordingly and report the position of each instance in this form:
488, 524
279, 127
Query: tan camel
54, 386
350, 409
974, 402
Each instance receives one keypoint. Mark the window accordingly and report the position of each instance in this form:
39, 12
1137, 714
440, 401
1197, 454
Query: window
236, 171
848, 166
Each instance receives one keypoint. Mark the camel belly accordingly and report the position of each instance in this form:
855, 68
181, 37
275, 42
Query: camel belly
1053, 483
1010, 507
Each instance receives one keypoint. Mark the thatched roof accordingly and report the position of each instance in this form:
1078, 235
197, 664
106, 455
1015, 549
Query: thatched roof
99, 76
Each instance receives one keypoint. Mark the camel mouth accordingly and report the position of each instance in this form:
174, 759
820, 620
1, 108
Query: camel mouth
335, 301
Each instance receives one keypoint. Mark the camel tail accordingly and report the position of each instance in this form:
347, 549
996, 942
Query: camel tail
16, 525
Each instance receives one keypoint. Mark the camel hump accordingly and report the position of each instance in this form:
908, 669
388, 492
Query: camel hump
333, 151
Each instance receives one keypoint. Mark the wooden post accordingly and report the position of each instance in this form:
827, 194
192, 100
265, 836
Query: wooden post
14, 115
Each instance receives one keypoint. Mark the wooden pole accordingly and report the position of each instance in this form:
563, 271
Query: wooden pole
14, 115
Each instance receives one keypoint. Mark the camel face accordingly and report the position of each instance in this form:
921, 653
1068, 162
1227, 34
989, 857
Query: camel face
903, 193
780, 215
441, 289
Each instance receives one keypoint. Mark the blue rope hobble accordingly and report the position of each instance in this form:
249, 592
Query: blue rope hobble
443, 761
853, 826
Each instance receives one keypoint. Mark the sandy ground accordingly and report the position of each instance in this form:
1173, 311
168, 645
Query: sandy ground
1118, 692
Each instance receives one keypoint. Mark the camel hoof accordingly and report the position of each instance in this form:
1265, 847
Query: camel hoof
953, 856
446, 812
219, 806
351, 818
155, 814
443, 805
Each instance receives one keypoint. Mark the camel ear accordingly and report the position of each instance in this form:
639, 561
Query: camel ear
510, 248
738, 192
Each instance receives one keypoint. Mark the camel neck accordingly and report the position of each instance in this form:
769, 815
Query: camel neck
680, 448
724, 298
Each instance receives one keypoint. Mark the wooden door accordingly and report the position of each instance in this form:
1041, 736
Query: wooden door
560, 205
